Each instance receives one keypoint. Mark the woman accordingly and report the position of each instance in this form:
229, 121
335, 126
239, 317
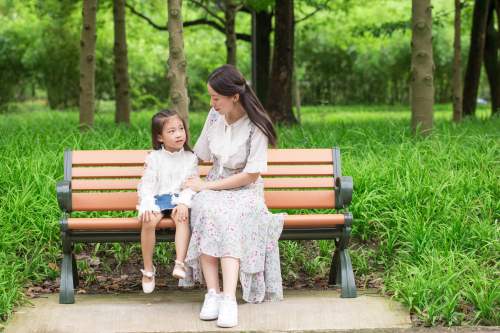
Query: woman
229, 219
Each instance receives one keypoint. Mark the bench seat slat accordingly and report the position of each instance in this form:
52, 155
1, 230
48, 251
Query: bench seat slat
136, 172
131, 184
111, 201
291, 221
136, 157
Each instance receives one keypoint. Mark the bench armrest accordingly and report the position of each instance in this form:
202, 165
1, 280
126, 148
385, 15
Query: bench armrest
63, 190
343, 191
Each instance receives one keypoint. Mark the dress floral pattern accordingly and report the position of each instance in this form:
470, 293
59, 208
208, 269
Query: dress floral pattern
236, 222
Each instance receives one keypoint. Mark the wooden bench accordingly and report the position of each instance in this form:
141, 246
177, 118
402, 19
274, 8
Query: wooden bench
106, 180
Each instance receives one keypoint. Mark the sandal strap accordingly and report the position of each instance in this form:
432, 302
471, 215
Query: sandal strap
149, 274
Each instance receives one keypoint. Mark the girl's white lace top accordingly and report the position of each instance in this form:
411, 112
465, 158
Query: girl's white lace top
228, 144
164, 173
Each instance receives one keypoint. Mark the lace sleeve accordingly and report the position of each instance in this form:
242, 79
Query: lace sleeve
146, 189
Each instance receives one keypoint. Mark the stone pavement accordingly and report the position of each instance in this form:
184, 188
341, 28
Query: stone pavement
177, 311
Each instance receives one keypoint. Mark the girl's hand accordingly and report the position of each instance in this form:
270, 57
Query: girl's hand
149, 216
180, 214
195, 183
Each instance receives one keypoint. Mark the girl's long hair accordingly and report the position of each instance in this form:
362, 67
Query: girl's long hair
157, 123
228, 81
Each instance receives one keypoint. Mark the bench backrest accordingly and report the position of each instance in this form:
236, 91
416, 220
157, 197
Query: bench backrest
106, 180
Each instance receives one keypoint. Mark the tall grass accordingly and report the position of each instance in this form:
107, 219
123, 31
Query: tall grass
426, 210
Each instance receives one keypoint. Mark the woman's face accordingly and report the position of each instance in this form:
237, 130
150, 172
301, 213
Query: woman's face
222, 104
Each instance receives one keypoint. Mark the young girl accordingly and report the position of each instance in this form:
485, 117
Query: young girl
166, 168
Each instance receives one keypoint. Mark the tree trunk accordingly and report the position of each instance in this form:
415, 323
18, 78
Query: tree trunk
261, 45
230, 15
177, 60
422, 68
279, 103
491, 58
497, 7
476, 51
87, 64
457, 65
122, 96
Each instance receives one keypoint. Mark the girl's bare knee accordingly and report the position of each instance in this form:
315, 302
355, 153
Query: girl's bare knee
148, 226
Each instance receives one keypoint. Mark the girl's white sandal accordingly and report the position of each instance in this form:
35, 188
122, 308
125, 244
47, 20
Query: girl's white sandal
148, 287
179, 271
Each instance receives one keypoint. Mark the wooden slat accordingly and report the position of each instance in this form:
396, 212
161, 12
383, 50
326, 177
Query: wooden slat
103, 201
136, 157
125, 224
136, 172
131, 184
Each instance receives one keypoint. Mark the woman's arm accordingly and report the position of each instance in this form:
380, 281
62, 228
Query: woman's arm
238, 180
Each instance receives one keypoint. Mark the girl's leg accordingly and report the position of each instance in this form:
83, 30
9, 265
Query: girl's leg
210, 268
230, 270
182, 234
148, 240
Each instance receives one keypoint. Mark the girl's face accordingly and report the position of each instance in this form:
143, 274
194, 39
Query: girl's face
222, 104
173, 135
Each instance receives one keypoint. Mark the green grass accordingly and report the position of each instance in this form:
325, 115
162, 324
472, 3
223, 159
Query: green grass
426, 210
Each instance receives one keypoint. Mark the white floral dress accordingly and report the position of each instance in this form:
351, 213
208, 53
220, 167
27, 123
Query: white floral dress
236, 222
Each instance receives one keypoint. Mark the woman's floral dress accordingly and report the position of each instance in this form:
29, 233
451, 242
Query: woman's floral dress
236, 222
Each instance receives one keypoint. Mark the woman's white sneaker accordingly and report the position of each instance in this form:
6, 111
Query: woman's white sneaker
210, 308
228, 312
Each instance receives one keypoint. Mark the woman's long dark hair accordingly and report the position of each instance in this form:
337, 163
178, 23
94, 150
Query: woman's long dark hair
228, 81
157, 123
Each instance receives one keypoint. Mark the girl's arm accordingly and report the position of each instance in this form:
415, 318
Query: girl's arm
186, 195
146, 187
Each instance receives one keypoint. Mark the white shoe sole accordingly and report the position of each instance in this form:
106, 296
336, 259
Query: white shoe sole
227, 325
205, 317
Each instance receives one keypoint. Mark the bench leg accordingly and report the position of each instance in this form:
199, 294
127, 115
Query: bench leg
69, 272
66, 289
341, 269
341, 273
76, 280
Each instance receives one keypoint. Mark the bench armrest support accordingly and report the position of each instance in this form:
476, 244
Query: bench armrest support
63, 190
343, 191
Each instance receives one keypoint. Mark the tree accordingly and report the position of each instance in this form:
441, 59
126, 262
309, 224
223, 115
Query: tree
422, 68
497, 7
476, 51
122, 95
457, 65
279, 102
177, 60
491, 59
230, 10
87, 63
261, 49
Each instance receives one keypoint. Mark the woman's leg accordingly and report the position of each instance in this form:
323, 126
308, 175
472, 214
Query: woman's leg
230, 270
228, 309
210, 268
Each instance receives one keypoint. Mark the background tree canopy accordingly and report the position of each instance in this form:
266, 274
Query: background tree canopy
346, 53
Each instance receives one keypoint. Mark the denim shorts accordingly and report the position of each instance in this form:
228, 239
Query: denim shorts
164, 201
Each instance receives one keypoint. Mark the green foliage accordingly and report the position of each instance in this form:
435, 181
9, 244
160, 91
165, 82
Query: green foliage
425, 210
346, 44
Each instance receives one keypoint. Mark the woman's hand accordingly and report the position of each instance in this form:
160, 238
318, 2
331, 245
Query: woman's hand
180, 214
195, 183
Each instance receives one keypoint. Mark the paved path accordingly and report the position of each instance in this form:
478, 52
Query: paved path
177, 311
